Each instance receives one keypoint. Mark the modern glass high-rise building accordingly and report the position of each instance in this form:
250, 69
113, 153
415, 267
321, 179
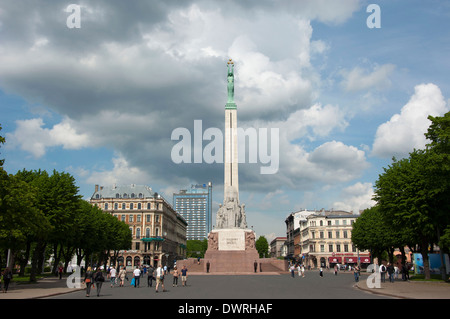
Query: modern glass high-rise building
195, 205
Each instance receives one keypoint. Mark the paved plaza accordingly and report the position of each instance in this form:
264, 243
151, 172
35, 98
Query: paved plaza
273, 286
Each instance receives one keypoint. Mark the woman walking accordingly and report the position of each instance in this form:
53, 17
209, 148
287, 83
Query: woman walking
175, 277
88, 280
99, 279
7, 276
122, 276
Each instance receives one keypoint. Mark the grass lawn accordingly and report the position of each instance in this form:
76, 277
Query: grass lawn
434, 277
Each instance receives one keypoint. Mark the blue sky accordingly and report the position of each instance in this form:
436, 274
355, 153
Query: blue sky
101, 101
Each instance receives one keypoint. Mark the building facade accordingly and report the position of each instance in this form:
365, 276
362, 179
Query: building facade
324, 240
195, 205
158, 231
278, 247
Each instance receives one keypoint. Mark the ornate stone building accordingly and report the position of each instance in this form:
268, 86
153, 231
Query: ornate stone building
324, 238
158, 231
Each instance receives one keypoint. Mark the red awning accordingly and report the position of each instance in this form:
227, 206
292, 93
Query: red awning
334, 260
351, 260
365, 260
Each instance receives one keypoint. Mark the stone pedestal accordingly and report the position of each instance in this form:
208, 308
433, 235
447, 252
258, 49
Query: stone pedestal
231, 251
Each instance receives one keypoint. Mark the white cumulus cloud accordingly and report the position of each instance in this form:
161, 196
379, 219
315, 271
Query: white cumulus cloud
405, 131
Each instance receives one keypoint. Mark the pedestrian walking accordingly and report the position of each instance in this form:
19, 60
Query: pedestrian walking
60, 271
6, 277
88, 280
150, 276
122, 276
390, 270
383, 270
175, 277
137, 277
112, 274
335, 269
208, 265
159, 278
303, 271
99, 279
255, 265
321, 272
184, 276
356, 272
292, 269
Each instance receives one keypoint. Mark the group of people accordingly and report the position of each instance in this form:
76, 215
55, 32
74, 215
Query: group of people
393, 272
92, 279
300, 270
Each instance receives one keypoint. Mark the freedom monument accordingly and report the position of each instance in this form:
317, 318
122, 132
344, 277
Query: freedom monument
231, 245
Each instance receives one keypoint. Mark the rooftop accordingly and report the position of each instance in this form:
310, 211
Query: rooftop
123, 191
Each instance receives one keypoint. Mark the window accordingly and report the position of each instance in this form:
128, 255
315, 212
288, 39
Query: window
345, 248
131, 206
106, 206
336, 222
116, 206
321, 223
117, 195
133, 195
138, 233
125, 195
156, 218
330, 248
123, 218
139, 206
149, 218
97, 196
140, 195
345, 234
148, 206
329, 223
130, 218
138, 218
321, 234
330, 234
123, 205
147, 232
344, 222
337, 234
338, 248
322, 248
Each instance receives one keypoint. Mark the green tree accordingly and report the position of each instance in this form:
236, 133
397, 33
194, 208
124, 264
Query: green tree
407, 199
262, 246
196, 248
2, 141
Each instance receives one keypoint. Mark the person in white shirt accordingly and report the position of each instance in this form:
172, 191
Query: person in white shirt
159, 277
137, 276
112, 273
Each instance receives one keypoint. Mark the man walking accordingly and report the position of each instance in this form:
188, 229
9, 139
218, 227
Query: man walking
159, 277
184, 275
137, 276
112, 273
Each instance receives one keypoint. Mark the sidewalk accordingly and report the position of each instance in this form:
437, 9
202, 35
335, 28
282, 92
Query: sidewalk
408, 289
45, 287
